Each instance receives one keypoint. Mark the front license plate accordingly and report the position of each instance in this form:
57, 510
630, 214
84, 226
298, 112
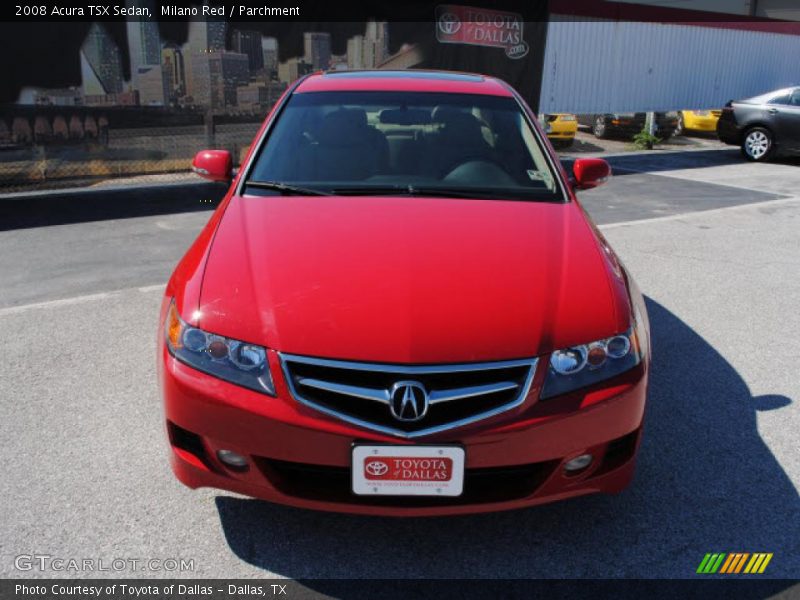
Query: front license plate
408, 470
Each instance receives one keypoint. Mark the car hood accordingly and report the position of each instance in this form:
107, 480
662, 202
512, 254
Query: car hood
408, 279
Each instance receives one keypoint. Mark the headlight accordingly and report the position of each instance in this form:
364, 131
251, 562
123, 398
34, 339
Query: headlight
701, 113
238, 362
587, 364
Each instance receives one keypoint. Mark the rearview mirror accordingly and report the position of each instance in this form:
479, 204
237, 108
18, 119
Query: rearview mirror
588, 173
404, 116
215, 165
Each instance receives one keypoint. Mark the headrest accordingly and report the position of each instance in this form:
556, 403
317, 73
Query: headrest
458, 124
343, 126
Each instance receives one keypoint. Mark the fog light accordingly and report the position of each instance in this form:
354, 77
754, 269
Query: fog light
578, 463
232, 459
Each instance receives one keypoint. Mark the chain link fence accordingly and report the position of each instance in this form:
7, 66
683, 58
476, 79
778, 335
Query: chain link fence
73, 152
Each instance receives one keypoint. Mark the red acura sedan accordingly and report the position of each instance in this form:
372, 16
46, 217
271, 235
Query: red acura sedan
401, 308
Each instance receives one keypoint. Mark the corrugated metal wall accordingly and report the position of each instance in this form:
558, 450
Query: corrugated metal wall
610, 66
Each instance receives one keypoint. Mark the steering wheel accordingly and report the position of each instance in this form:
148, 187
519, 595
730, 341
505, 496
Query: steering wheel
482, 158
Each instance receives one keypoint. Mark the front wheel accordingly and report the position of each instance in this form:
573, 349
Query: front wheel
757, 144
599, 127
679, 127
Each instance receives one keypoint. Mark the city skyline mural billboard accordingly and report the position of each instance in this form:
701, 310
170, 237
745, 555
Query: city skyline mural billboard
141, 95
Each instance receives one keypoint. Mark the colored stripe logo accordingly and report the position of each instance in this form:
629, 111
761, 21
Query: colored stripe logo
732, 563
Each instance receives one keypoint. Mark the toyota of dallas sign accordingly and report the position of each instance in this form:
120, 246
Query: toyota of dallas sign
481, 27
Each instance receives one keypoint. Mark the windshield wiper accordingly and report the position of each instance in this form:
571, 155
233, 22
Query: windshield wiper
442, 192
286, 188
397, 190
408, 190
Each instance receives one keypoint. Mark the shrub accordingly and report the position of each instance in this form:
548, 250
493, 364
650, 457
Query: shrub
645, 140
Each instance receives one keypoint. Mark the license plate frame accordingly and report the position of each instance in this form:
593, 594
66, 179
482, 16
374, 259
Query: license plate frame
433, 470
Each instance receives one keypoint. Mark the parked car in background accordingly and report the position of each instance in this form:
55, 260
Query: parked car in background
628, 124
697, 121
561, 129
400, 307
763, 126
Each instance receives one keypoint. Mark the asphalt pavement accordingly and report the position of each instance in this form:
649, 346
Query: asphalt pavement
714, 245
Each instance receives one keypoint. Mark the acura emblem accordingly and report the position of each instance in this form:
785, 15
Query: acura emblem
408, 401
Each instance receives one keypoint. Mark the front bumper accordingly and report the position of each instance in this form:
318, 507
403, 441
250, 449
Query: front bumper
700, 123
562, 130
300, 457
728, 132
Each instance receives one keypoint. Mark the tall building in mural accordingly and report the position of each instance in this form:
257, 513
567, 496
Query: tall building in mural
216, 75
204, 36
144, 43
174, 70
269, 50
249, 43
376, 43
144, 49
317, 49
101, 65
369, 50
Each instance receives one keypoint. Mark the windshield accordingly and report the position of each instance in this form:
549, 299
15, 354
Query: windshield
404, 143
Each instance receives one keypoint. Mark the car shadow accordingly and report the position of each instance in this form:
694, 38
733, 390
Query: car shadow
674, 160
705, 135
59, 207
655, 161
705, 482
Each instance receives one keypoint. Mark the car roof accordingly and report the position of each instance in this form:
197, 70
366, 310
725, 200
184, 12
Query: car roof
766, 97
409, 80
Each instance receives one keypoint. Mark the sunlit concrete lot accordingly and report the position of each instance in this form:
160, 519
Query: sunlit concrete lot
714, 244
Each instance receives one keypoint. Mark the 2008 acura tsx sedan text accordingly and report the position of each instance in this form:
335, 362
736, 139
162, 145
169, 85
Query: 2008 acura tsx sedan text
401, 308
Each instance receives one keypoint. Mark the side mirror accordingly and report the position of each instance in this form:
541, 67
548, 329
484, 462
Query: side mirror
215, 165
588, 173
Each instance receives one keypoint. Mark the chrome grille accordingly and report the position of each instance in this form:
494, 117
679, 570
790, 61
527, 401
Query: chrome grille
374, 395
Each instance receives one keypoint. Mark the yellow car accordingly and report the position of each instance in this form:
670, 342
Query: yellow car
697, 120
560, 128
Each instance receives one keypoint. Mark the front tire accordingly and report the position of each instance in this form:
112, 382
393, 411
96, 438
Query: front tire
757, 144
680, 128
599, 128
